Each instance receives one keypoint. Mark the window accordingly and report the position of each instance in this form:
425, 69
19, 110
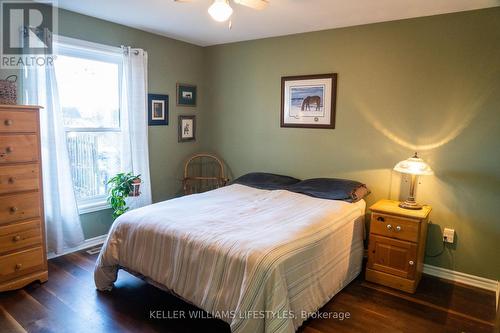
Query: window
88, 80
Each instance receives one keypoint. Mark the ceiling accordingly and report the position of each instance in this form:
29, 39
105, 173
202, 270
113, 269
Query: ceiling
190, 21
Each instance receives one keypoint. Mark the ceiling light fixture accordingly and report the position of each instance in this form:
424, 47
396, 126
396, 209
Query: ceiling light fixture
220, 10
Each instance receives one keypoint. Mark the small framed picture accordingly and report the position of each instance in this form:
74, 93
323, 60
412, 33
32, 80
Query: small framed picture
157, 109
308, 101
186, 94
187, 128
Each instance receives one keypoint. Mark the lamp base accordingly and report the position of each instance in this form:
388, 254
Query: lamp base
410, 204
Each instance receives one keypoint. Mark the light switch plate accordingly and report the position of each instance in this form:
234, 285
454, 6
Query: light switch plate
448, 235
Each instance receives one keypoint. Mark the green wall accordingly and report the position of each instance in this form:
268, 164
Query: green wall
429, 84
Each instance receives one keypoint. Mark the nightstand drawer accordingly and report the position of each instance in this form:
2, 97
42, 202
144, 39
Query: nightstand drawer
395, 227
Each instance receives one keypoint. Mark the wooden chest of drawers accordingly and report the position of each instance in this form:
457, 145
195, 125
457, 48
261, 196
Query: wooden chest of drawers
22, 237
396, 245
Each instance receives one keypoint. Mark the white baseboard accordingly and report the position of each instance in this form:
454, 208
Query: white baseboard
86, 244
464, 278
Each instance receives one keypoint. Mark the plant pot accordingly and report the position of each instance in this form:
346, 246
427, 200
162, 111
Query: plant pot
136, 183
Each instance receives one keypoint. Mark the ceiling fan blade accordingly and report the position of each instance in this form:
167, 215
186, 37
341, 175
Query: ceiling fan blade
255, 4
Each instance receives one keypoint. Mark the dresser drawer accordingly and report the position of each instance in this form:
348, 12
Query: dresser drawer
19, 263
20, 235
395, 227
19, 207
18, 148
19, 178
18, 121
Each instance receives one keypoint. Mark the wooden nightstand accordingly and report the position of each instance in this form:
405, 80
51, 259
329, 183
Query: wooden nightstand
396, 245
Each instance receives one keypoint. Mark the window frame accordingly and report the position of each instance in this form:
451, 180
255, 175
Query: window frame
77, 48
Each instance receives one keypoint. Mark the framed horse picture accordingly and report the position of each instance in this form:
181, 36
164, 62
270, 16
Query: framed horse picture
186, 94
308, 101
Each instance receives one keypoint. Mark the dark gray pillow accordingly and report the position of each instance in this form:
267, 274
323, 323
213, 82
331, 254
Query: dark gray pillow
266, 181
331, 188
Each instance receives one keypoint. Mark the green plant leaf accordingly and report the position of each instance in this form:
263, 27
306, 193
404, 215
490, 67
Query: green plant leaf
120, 187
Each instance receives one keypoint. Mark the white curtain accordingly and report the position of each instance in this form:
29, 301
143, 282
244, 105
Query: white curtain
135, 152
62, 220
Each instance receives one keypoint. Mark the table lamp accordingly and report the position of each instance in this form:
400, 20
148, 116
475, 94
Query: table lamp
414, 166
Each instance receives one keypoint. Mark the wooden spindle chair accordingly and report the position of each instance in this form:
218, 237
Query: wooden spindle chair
203, 172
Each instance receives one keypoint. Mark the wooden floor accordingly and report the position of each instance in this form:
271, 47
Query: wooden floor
68, 302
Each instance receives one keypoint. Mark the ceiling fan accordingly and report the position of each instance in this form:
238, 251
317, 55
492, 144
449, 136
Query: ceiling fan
221, 10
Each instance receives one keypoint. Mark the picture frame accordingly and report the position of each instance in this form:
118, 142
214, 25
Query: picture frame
157, 110
309, 101
187, 128
186, 94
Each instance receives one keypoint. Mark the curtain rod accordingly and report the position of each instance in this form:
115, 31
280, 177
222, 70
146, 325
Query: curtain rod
127, 49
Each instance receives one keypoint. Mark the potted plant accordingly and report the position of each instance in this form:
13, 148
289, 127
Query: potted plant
123, 185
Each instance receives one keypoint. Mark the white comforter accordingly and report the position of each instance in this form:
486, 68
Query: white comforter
260, 260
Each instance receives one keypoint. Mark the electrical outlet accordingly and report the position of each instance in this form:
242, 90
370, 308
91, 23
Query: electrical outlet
448, 235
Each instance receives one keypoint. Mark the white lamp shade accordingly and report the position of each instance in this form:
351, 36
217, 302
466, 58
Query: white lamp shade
220, 10
414, 166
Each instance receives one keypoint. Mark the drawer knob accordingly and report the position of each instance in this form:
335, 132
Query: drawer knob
18, 267
13, 209
16, 238
8, 122
380, 219
411, 263
389, 227
9, 149
398, 228
11, 180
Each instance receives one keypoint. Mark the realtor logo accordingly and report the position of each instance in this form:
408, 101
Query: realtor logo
27, 30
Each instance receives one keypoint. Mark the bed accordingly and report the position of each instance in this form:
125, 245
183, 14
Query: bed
261, 260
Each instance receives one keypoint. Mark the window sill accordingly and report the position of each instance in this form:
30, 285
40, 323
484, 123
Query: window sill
93, 207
